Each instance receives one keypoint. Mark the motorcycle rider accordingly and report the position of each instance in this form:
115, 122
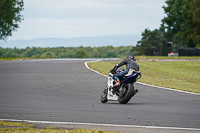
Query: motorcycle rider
131, 66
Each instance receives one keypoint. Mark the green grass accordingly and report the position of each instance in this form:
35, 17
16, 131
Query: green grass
16, 124
18, 58
22, 127
22, 58
166, 57
137, 57
180, 75
49, 130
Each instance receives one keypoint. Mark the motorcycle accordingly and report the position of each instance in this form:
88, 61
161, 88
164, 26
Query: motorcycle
125, 91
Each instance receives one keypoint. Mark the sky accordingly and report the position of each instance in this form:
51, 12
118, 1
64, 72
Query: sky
87, 18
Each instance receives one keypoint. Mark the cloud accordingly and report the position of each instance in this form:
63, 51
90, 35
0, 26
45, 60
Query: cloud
78, 18
91, 8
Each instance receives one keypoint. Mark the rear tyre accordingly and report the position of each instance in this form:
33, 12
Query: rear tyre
128, 92
104, 95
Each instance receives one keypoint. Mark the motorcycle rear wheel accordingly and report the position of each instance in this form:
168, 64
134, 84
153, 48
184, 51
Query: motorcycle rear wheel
104, 95
127, 94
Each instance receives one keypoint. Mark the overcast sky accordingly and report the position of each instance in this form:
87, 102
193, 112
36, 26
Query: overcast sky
87, 18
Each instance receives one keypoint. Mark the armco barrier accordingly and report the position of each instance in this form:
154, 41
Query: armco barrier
189, 52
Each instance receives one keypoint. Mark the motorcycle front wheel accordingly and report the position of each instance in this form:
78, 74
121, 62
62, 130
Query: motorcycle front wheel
104, 95
128, 91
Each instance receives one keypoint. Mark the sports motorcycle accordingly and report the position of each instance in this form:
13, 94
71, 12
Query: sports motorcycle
125, 91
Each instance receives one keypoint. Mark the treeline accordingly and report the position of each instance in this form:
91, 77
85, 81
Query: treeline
68, 52
181, 26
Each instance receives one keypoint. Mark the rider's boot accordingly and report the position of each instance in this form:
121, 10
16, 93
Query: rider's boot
117, 84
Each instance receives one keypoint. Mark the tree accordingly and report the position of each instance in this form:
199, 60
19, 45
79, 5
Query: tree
10, 16
191, 16
174, 21
48, 54
81, 54
182, 22
152, 43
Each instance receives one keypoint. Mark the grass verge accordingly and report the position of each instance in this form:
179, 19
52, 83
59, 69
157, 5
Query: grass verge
167, 57
137, 57
22, 127
180, 75
19, 58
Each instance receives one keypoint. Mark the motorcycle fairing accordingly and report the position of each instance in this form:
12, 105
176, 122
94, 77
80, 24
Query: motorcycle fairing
131, 78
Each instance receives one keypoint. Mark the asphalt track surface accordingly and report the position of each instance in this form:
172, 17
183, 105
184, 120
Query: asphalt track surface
66, 91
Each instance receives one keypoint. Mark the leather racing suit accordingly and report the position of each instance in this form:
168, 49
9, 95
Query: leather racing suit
130, 65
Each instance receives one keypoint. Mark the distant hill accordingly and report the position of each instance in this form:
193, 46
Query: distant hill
114, 40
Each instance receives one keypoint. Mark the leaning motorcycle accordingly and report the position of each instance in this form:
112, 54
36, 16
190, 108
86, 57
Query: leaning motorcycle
125, 91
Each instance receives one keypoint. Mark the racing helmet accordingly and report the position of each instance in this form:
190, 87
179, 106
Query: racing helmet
131, 57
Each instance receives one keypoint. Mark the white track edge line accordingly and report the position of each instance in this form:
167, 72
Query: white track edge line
105, 125
140, 82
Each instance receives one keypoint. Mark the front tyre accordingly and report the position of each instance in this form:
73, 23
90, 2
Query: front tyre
104, 95
128, 92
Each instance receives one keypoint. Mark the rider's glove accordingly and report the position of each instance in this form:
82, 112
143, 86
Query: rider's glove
113, 71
